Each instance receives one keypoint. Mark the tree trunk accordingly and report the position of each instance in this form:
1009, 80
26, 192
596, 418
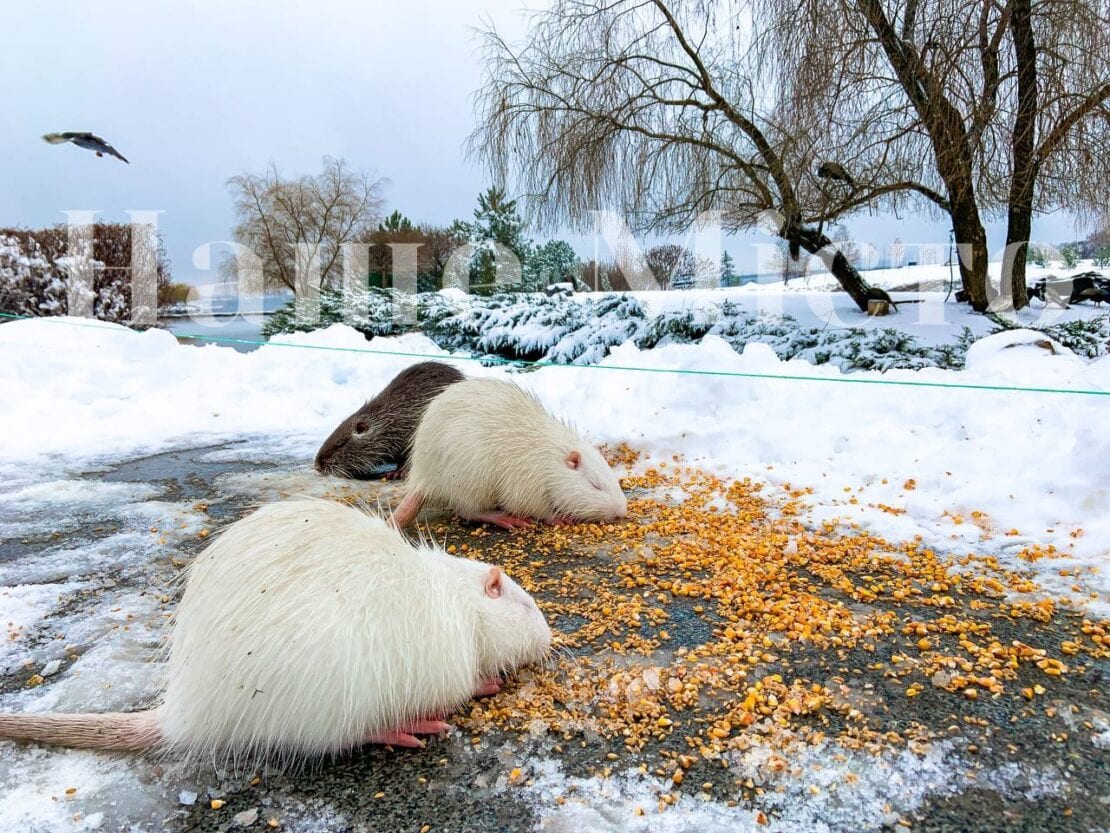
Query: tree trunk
1023, 179
947, 131
849, 278
971, 247
1019, 227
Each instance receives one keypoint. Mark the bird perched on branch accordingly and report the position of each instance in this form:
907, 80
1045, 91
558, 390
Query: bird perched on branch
88, 141
835, 171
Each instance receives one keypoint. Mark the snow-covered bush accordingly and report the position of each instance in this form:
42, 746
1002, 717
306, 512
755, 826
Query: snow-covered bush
535, 327
373, 312
685, 326
1089, 338
41, 273
612, 320
29, 283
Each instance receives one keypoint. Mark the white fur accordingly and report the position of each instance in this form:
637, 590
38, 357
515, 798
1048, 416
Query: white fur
486, 445
308, 625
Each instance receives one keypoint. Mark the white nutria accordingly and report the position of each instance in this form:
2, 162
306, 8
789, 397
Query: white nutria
308, 628
488, 451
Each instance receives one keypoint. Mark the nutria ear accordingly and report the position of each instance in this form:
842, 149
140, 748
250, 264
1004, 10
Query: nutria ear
493, 583
574, 460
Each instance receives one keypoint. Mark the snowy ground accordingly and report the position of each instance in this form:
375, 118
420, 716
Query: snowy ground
814, 301
91, 544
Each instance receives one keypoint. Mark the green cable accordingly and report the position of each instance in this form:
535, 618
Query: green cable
523, 363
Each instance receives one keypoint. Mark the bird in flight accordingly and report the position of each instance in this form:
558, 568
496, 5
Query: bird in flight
88, 141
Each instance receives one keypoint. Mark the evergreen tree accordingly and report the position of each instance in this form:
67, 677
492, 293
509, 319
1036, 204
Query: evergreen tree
497, 223
396, 222
728, 275
553, 262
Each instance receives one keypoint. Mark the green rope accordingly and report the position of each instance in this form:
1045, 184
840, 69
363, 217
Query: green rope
523, 363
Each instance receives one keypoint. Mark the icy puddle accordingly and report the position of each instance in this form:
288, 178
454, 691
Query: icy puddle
724, 662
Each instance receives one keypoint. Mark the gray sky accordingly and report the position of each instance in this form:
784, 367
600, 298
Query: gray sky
193, 92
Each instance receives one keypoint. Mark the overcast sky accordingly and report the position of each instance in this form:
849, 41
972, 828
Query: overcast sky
194, 92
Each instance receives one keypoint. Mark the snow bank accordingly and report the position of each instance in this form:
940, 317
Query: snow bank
1035, 465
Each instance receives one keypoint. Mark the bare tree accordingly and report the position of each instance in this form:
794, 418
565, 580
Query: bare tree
1060, 118
996, 106
809, 108
670, 261
656, 108
310, 217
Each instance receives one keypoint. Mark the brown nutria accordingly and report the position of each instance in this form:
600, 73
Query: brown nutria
380, 432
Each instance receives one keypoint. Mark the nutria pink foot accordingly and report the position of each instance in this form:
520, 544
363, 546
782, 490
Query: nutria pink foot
490, 686
406, 735
396, 474
406, 513
502, 519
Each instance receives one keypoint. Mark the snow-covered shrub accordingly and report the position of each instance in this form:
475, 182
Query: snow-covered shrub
41, 275
515, 327
535, 327
373, 312
610, 321
686, 326
29, 283
853, 349
1089, 338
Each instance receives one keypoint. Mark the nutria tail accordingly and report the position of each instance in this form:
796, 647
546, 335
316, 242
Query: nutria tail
130, 731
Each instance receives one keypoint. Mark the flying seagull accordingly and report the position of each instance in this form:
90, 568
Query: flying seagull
88, 141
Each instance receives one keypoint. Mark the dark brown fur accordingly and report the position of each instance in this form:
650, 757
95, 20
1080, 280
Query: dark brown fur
380, 432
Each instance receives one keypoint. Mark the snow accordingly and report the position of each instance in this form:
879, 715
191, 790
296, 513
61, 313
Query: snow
1037, 463
821, 790
798, 322
80, 395
50, 790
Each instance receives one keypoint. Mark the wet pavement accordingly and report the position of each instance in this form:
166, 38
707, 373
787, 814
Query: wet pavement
991, 763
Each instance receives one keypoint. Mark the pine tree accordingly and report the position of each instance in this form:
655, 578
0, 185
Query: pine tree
553, 262
396, 222
497, 223
728, 276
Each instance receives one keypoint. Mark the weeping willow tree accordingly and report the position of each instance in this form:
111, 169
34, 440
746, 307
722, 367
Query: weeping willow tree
664, 110
999, 107
803, 111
